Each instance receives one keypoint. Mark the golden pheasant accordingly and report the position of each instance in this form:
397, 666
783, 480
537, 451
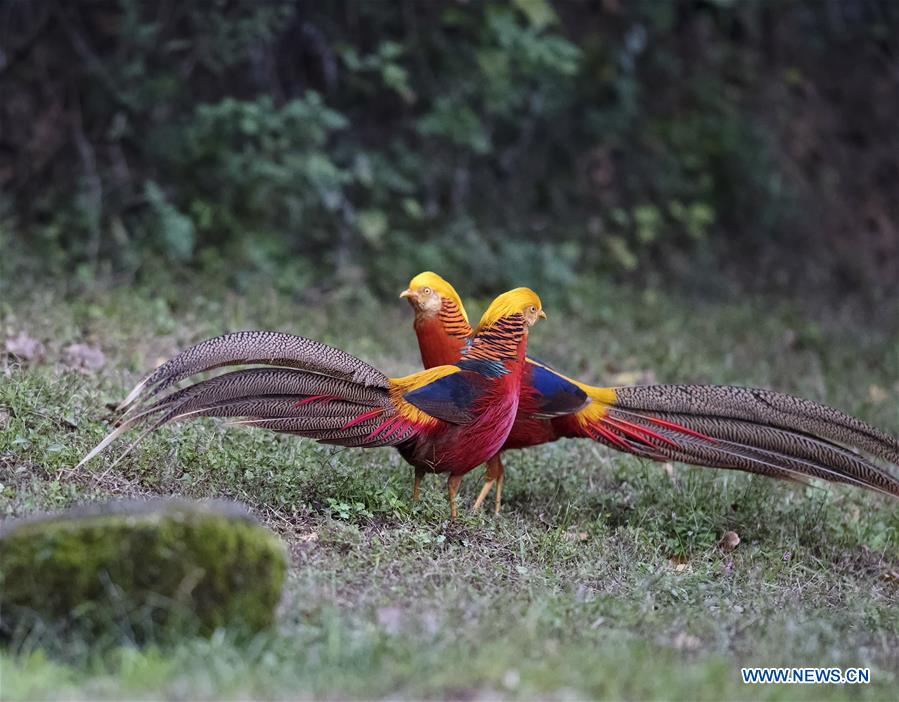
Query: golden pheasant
748, 429
447, 419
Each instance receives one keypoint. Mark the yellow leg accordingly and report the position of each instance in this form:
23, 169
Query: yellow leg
499, 493
488, 483
452, 487
416, 485
493, 474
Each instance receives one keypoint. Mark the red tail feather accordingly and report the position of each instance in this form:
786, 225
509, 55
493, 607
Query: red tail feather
678, 427
616, 440
387, 427
362, 417
315, 398
639, 433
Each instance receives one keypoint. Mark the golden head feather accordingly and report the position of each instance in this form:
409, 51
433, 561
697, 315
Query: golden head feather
522, 301
427, 283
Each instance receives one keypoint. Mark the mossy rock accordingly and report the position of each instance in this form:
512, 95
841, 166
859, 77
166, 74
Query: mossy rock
140, 569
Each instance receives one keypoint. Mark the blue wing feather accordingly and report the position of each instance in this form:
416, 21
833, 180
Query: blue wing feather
556, 395
450, 398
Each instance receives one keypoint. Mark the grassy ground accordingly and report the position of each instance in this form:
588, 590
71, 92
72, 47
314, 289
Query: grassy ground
602, 577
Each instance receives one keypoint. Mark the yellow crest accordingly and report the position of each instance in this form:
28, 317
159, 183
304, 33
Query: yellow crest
442, 286
513, 302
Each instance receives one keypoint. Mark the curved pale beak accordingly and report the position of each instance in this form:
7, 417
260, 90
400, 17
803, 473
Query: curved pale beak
541, 314
408, 292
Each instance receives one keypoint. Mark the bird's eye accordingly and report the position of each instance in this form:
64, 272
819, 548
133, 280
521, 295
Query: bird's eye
533, 308
427, 291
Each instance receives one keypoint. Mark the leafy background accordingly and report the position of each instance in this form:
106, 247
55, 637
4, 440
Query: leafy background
716, 146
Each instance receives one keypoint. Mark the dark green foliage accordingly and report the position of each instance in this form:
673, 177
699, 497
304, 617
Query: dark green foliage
135, 570
373, 139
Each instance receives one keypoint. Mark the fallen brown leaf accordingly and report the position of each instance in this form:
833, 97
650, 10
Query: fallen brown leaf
24, 346
729, 541
877, 394
686, 642
83, 357
680, 564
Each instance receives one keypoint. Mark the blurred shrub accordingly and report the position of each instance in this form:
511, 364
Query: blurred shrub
353, 141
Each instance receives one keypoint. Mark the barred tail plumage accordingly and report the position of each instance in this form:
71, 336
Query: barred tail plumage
764, 407
256, 348
749, 429
304, 387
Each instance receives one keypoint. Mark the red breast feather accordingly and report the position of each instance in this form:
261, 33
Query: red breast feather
436, 346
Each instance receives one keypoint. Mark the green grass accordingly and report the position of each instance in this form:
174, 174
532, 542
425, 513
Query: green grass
602, 577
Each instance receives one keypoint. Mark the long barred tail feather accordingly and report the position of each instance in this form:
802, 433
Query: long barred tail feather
722, 457
751, 458
305, 388
700, 451
794, 444
254, 382
764, 407
256, 348
757, 431
732, 455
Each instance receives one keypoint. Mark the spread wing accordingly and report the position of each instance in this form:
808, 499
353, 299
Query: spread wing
452, 398
556, 395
